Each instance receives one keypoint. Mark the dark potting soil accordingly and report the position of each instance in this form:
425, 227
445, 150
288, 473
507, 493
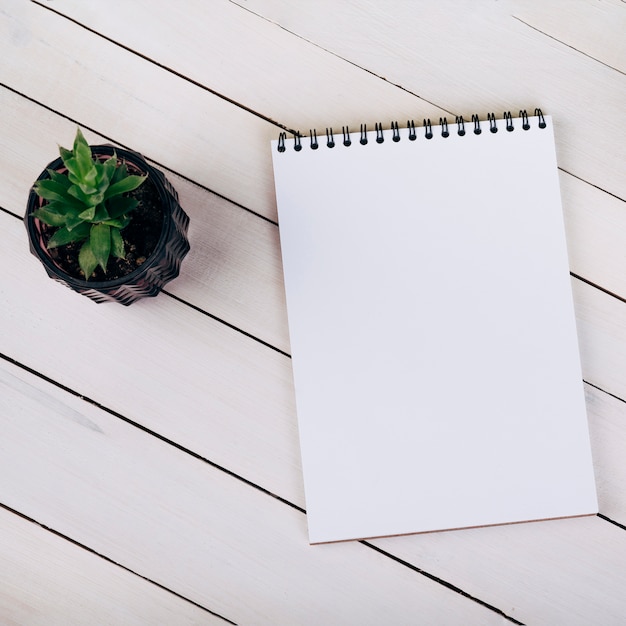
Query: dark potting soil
140, 238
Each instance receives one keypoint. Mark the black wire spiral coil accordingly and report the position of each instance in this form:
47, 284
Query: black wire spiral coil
410, 125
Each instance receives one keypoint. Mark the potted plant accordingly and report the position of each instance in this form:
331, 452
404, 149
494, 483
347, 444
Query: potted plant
106, 223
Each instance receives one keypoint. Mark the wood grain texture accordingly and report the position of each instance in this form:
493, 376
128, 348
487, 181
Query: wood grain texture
196, 129
601, 329
470, 58
233, 270
580, 25
567, 572
607, 429
46, 580
193, 528
104, 495
229, 394
259, 469
243, 58
201, 88
174, 370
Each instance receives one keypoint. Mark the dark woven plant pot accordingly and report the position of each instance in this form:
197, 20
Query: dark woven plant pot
160, 267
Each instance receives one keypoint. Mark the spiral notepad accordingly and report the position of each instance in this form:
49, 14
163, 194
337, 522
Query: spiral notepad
433, 338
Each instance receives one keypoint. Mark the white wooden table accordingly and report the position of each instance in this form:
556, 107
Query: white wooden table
149, 458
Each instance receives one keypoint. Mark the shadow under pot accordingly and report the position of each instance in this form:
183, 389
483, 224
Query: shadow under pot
155, 239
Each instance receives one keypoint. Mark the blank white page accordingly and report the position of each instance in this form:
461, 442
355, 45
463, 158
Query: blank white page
433, 337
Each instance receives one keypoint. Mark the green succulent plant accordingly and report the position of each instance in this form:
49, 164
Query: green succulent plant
87, 204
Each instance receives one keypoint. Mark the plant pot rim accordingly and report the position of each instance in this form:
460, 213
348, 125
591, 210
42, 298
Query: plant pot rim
155, 176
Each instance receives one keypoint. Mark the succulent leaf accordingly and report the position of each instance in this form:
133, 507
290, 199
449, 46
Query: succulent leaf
118, 223
88, 215
120, 173
87, 260
101, 214
126, 184
64, 236
121, 205
71, 222
106, 172
59, 178
117, 244
87, 204
100, 242
50, 217
52, 190
65, 153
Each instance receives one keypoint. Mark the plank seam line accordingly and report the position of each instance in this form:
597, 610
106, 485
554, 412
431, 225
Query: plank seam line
270, 120
608, 393
110, 560
568, 45
122, 145
149, 431
337, 56
598, 287
228, 324
201, 186
611, 521
286, 354
229, 473
283, 352
161, 65
199, 310
442, 582
614, 195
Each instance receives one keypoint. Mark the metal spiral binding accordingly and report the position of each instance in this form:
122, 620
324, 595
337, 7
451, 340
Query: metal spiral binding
330, 139
396, 131
346, 136
396, 135
411, 126
379, 133
363, 140
524, 116
476, 123
509, 121
542, 121
428, 129
443, 122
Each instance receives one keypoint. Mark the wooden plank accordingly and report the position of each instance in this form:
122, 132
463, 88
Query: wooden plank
266, 467
607, 226
607, 428
160, 363
581, 25
31, 319
601, 322
519, 57
45, 579
470, 60
252, 62
596, 230
123, 505
233, 270
558, 572
216, 144
193, 528
132, 101
229, 394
